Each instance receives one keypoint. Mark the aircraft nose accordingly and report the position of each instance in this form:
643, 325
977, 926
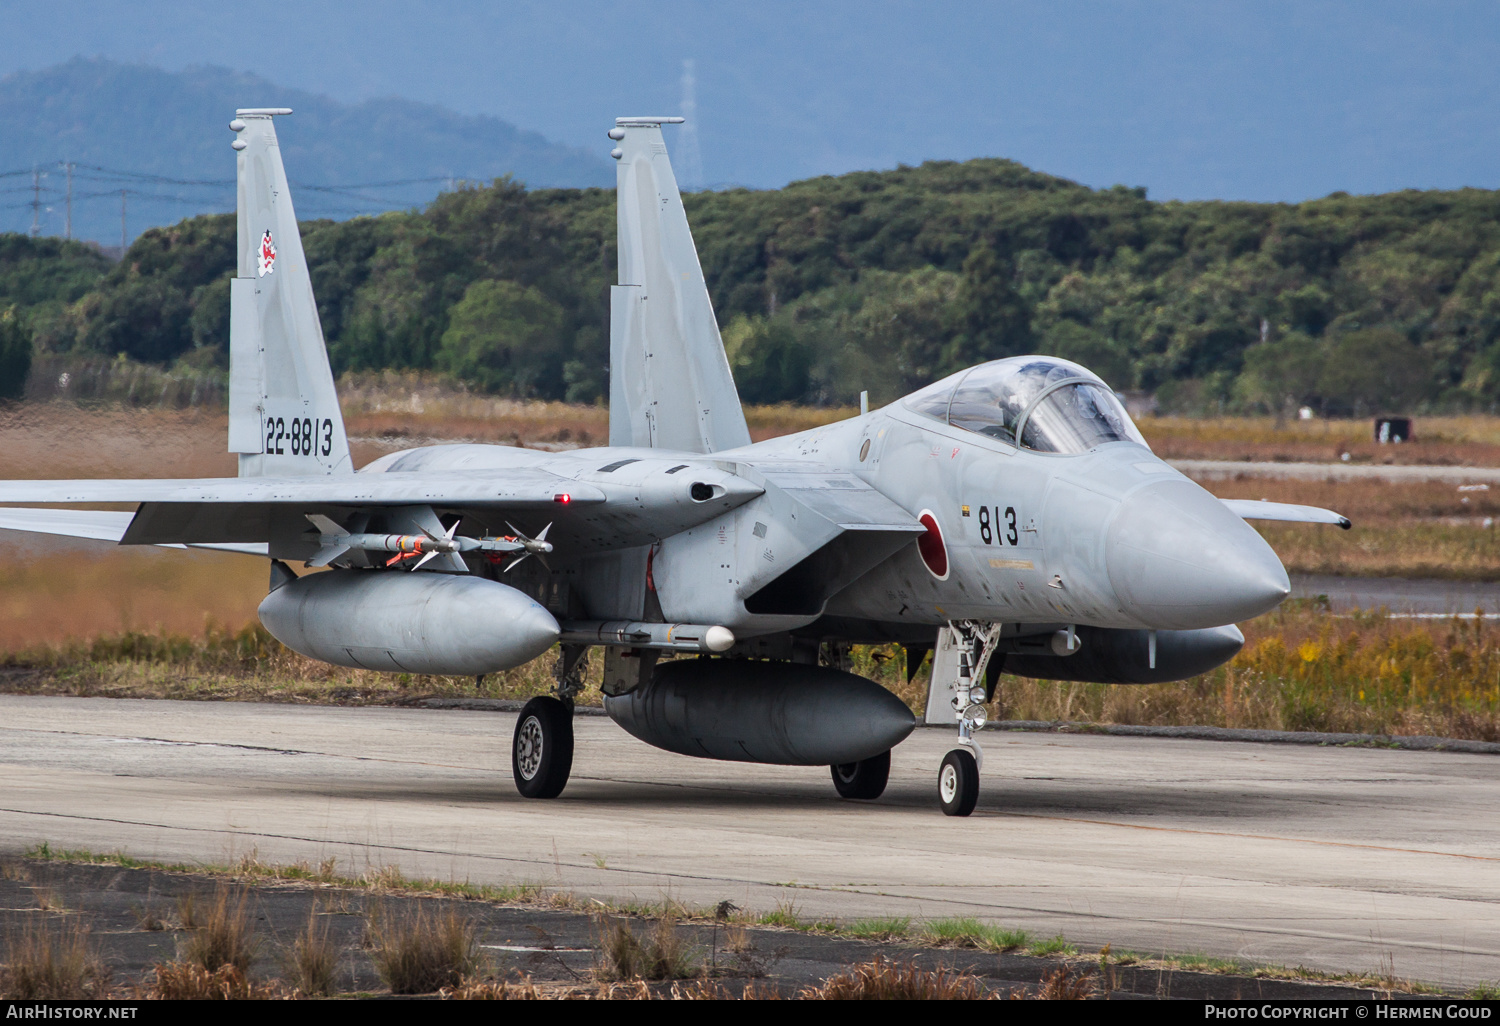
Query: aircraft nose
1179, 559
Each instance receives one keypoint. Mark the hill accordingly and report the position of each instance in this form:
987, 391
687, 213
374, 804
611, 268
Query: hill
873, 280
159, 132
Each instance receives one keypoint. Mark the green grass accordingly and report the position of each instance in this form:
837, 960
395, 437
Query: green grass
879, 929
971, 933
783, 915
1051, 946
1197, 961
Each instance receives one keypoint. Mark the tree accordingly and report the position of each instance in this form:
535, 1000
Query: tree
505, 337
15, 355
995, 321
1374, 370
1282, 374
771, 364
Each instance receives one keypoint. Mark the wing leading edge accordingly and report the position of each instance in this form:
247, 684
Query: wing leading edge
101, 525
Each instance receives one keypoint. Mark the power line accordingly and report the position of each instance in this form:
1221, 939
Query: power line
124, 183
36, 202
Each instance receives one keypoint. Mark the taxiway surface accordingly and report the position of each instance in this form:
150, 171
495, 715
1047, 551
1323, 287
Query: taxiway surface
1335, 858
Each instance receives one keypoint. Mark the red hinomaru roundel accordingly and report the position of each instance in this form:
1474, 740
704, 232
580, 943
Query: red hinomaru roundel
930, 545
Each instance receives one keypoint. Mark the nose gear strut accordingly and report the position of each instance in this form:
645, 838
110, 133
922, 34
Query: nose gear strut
958, 693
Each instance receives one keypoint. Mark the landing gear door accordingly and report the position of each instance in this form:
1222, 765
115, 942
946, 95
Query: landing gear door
942, 689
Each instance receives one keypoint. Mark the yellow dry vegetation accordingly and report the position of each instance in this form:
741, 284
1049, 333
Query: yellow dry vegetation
1447, 441
1305, 669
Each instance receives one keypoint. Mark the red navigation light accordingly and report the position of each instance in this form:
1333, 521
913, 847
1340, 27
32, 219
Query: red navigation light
562, 497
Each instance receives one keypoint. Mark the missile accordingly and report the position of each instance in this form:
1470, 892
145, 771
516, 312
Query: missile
335, 541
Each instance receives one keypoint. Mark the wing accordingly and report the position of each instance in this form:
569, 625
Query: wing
99, 525
517, 489
1253, 509
626, 508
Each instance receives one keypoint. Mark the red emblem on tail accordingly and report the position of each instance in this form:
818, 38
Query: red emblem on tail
267, 254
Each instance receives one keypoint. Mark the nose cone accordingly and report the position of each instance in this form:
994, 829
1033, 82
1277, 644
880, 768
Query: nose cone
1179, 559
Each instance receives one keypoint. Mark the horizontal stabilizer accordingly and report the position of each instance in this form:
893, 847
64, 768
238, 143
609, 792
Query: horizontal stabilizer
1254, 509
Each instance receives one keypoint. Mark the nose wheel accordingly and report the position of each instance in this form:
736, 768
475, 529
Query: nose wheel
958, 782
541, 752
864, 779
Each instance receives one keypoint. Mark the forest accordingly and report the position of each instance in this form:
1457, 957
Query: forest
879, 281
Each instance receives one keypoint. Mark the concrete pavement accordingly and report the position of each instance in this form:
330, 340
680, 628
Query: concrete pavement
1336, 858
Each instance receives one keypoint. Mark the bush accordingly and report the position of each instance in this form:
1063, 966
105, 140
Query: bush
420, 953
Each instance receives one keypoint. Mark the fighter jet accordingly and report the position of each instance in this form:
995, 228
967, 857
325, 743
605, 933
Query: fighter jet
1009, 516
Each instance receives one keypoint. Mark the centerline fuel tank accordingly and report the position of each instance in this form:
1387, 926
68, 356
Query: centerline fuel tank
742, 710
408, 622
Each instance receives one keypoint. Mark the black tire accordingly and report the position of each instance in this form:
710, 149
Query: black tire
541, 751
958, 783
864, 779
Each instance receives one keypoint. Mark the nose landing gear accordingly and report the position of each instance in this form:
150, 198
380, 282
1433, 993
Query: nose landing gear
958, 782
960, 687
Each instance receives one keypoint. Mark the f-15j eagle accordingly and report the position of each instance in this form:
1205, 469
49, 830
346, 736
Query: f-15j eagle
1010, 515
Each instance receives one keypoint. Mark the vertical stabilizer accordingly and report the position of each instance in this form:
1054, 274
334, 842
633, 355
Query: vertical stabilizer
284, 417
669, 385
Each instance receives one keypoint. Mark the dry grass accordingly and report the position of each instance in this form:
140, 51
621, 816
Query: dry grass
1422, 529
1302, 669
220, 934
312, 962
1446, 551
46, 964
494, 990
887, 980
1449, 441
421, 952
55, 595
1062, 984
246, 665
189, 981
657, 952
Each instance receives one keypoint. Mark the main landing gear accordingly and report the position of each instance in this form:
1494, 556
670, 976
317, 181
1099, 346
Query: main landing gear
864, 779
541, 751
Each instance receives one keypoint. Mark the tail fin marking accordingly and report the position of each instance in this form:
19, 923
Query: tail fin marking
284, 417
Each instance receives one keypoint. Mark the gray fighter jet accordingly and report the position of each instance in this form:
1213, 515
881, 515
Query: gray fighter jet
1007, 516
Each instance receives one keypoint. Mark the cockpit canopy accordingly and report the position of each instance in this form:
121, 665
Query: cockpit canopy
1050, 405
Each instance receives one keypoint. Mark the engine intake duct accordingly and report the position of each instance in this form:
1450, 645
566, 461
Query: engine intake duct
740, 710
1111, 656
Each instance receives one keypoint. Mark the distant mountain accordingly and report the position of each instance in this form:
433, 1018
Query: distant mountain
152, 125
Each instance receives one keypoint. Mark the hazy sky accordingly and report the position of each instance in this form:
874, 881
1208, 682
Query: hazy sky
1194, 100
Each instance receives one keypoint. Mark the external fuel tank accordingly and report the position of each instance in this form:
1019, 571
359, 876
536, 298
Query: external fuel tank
744, 710
399, 621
